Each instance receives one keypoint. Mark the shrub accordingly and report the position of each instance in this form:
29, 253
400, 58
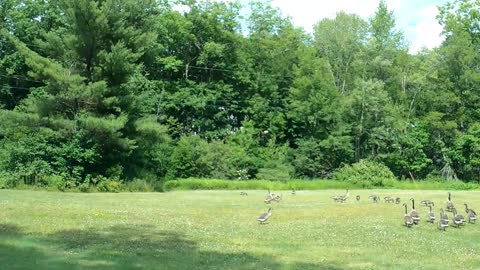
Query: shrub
366, 174
107, 185
5, 180
215, 184
85, 187
275, 171
138, 185
54, 182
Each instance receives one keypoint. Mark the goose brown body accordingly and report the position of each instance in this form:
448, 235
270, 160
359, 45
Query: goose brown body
414, 214
443, 222
471, 215
407, 218
265, 216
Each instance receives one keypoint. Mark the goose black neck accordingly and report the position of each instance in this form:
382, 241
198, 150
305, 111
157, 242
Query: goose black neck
405, 209
413, 204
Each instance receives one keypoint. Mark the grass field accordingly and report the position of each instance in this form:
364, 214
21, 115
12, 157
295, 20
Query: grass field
219, 230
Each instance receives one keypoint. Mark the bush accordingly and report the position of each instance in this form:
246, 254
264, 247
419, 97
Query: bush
366, 174
54, 182
275, 171
5, 180
436, 183
85, 187
138, 185
214, 184
107, 185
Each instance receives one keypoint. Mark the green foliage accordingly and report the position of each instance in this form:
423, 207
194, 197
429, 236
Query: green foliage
138, 185
54, 182
139, 90
104, 184
408, 159
366, 174
315, 159
317, 184
211, 184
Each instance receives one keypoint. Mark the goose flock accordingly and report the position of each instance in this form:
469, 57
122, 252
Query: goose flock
410, 219
458, 220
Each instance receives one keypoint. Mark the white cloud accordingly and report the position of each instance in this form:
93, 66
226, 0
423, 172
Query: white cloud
416, 21
416, 18
427, 31
306, 13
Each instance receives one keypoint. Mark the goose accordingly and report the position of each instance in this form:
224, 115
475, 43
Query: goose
293, 192
414, 213
408, 219
344, 197
443, 222
270, 196
268, 200
264, 217
397, 200
374, 198
449, 203
277, 198
427, 203
243, 193
357, 198
457, 219
471, 215
388, 199
431, 215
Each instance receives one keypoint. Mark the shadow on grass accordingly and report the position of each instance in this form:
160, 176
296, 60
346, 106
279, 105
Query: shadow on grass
122, 247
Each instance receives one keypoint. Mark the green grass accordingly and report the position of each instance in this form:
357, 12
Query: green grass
216, 184
218, 230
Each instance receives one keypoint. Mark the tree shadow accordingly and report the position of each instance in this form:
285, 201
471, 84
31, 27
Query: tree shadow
123, 247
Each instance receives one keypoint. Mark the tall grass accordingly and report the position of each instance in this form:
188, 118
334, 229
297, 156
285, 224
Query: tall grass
217, 184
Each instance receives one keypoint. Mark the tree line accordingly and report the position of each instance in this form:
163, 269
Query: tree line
124, 89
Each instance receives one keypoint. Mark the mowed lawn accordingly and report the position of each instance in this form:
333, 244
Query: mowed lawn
219, 230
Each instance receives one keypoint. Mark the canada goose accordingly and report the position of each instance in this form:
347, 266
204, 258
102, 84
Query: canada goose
357, 198
341, 198
344, 197
450, 205
427, 203
397, 200
443, 222
270, 196
277, 198
414, 213
457, 219
431, 215
264, 217
374, 198
388, 199
293, 192
243, 193
471, 215
408, 219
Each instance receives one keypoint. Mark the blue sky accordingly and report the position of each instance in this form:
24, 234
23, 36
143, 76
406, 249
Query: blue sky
416, 18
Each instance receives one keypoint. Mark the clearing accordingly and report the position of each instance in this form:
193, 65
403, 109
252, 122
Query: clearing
219, 230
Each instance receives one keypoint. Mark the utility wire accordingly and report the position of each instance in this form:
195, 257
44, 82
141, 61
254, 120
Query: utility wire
19, 78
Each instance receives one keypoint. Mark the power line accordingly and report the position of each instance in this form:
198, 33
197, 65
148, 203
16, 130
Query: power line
199, 67
20, 78
16, 87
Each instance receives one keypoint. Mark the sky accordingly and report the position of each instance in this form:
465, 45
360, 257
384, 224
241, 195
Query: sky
416, 18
